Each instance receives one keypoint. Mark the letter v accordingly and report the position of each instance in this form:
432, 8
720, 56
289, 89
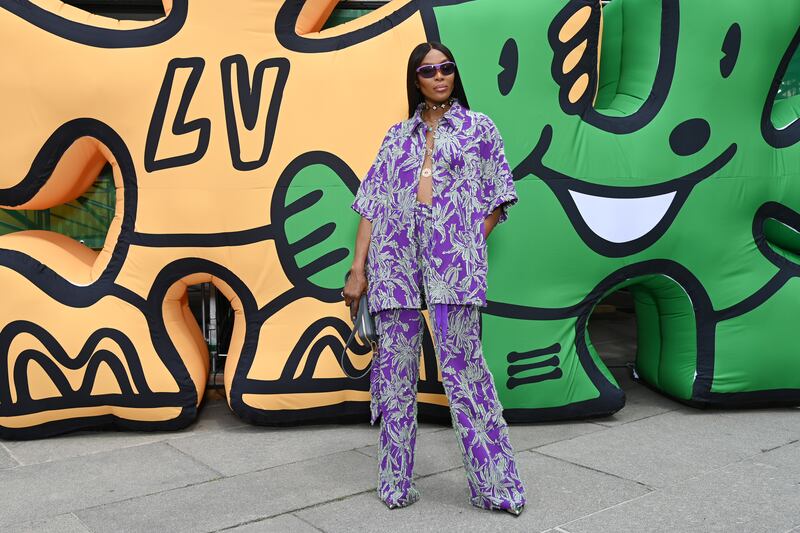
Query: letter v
250, 103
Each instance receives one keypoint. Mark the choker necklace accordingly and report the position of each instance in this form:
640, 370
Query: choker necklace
434, 107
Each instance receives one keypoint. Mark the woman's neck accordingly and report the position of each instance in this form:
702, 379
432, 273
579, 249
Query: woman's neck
432, 115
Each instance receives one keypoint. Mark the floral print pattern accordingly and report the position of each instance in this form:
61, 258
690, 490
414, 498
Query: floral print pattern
481, 430
471, 177
476, 412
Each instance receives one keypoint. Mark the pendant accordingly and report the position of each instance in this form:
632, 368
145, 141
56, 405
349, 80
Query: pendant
426, 173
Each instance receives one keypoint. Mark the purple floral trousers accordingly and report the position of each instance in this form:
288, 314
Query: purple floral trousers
482, 432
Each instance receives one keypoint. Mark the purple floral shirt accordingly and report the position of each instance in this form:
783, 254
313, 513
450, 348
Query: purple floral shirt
471, 178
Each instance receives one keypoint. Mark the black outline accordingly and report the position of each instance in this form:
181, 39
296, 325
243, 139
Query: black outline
791, 134
286, 24
611, 398
66, 293
280, 214
665, 71
89, 357
690, 136
179, 124
163, 30
249, 103
509, 61
561, 184
731, 46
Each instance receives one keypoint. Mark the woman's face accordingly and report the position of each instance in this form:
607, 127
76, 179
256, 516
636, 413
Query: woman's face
439, 87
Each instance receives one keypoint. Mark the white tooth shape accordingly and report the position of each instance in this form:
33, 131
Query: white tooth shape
622, 219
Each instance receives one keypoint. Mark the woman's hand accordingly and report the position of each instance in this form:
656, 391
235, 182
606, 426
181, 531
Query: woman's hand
353, 289
490, 222
356, 283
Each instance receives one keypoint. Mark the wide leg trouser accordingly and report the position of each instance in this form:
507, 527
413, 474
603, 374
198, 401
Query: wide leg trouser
476, 412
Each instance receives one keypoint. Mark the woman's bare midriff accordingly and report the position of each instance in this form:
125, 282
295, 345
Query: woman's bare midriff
425, 188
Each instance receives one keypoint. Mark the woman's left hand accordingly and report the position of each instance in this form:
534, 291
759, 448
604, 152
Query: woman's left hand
490, 222
355, 286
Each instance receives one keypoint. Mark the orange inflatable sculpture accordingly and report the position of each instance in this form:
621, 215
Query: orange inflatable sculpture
221, 126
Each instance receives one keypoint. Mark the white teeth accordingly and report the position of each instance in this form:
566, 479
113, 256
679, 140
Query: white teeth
622, 219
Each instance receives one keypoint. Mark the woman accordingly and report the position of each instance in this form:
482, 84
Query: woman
437, 188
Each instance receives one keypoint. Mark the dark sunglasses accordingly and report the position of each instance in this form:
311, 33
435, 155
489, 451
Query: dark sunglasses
428, 71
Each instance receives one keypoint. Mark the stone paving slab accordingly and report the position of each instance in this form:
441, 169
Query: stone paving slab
438, 451
65, 523
434, 452
214, 416
761, 494
250, 448
556, 490
54, 488
285, 523
237, 500
616, 328
640, 402
535, 435
6, 460
767, 420
615, 354
671, 447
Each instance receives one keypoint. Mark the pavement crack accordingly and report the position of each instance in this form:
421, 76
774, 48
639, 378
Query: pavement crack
196, 460
766, 450
365, 454
11, 454
645, 485
626, 502
559, 441
620, 424
81, 522
309, 523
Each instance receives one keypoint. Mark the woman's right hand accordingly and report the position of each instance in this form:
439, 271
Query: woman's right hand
355, 286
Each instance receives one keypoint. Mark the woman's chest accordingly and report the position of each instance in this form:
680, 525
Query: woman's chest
454, 157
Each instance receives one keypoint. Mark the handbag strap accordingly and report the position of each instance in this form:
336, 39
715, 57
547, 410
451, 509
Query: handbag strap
359, 316
344, 352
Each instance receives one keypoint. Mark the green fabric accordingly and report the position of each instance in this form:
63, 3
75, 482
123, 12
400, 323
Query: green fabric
708, 320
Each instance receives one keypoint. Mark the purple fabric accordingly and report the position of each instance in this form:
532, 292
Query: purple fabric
482, 432
475, 409
471, 177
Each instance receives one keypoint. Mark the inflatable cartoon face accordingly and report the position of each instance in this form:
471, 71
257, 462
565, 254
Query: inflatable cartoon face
237, 137
671, 175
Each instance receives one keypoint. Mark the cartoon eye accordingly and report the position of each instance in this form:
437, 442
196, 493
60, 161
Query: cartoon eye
509, 60
690, 137
730, 47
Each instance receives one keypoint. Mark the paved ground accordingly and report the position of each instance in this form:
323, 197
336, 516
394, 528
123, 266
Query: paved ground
655, 466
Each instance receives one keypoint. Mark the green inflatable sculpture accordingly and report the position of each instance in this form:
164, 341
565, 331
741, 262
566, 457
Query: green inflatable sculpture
673, 173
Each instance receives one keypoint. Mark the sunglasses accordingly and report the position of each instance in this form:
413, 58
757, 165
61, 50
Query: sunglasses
428, 71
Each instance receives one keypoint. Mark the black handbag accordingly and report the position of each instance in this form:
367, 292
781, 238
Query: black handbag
364, 327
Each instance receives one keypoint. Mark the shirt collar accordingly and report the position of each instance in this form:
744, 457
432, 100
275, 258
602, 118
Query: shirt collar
454, 110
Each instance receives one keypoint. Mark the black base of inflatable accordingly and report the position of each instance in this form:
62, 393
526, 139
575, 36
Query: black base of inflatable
97, 423
358, 413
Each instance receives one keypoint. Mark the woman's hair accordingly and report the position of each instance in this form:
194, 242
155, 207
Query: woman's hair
415, 59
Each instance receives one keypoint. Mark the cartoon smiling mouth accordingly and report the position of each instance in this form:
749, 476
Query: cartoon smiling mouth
617, 221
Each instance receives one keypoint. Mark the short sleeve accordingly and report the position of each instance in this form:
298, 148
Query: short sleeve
498, 181
369, 194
